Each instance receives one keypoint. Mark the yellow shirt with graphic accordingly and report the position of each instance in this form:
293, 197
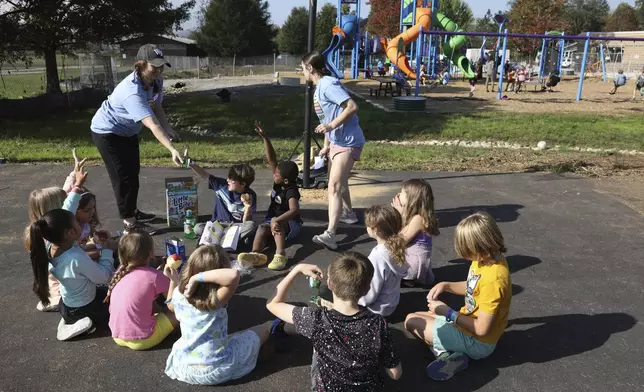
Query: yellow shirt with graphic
488, 289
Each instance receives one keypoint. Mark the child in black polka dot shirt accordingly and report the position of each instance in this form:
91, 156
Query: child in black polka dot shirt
350, 343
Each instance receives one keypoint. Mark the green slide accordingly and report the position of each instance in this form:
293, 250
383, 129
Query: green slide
454, 44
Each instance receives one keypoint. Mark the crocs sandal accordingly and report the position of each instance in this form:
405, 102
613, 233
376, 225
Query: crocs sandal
278, 263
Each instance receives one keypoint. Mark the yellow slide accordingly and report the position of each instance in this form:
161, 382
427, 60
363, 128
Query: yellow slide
423, 19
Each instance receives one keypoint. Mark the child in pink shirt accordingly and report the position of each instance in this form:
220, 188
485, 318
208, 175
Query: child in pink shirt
136, 321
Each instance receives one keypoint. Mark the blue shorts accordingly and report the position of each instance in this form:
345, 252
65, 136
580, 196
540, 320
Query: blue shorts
448, 338
294, 228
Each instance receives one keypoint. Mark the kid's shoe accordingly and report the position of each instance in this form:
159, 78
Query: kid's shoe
52, 307
327, 239
349, 218
254, 259
278, 263
69, 331
447, 365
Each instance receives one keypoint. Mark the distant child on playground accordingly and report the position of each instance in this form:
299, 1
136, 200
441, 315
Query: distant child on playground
521, 78
639, 85
620, 80
350, 343
283, 221
472, 332
206, 354
415, 203
235, 201
388, 258
53, 241
136, 321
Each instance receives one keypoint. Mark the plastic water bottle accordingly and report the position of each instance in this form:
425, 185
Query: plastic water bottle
189, 224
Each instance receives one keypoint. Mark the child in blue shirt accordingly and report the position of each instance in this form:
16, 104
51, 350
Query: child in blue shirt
235, 201
620, 80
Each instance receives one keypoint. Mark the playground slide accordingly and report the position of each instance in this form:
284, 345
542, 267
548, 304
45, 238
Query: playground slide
423, 16
341, 35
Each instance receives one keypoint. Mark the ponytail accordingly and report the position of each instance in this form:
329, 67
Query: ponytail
396, 246
53, 227
39, 260
317, 61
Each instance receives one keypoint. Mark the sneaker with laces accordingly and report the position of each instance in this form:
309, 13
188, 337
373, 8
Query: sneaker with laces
69, 331
349, 218
52, 307
279, 262
141, 216
254, 259
447, 365
139, 226
327, 239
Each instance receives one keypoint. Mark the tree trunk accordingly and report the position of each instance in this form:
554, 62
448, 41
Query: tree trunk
53, 83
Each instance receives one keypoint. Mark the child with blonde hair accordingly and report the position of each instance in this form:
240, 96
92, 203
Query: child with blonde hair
416, 206
53, 248
472, 332
205, 354
388, 258
135, 320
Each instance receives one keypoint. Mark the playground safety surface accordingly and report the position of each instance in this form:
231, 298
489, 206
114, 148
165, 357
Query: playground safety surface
574, 322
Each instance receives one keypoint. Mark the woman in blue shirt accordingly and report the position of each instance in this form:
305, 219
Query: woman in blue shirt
343, 141
134, 103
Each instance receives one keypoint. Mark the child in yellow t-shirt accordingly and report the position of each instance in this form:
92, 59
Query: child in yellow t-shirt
472, 332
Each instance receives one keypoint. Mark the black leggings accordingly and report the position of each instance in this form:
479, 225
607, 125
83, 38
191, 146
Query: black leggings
123, 164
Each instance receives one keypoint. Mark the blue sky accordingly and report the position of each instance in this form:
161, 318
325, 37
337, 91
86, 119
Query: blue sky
281, 8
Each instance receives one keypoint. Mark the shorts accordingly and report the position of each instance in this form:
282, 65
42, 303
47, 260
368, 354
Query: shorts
162, 329
639, 86
449, 338
96, 310
354, 151
294, 228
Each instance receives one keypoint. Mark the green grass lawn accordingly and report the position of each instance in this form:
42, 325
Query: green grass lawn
281, 112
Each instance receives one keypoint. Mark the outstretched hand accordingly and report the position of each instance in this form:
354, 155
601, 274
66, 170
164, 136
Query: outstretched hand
79, 174
78, 164
260, 131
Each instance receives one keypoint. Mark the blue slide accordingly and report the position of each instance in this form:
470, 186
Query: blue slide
340, 36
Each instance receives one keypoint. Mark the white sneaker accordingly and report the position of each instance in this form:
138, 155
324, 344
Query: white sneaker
327, 239
69, 331
349, 218
52, 307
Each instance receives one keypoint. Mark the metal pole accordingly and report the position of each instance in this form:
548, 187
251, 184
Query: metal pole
308, 109
356, 46
367, 52
505, 47
561, 54
274, 63
603, 60
418, 55
542, 60
516, 35
339, 53
583, 67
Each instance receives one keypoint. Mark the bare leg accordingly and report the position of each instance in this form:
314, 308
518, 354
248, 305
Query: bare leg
338, 176
421, 325
263, 232
263, 331
280, 239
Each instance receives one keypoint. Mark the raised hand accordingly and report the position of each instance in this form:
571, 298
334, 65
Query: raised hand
260, 131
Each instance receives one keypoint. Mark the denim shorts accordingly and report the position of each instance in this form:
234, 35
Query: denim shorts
294, 228
448, 338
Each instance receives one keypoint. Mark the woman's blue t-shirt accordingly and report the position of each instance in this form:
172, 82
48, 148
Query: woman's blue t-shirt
122, 112
328, 97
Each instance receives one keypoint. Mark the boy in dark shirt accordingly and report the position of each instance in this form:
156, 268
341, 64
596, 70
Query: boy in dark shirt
350, 343
283, 221
235, 201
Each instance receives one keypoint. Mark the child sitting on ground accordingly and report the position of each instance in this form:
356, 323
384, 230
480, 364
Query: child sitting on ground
235, 201
388, 258
205, 354
620, 80
472, 332
81, 304
350, 343
136, 321
415, 203
283, 221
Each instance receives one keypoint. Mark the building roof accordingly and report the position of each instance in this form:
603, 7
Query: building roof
183, 40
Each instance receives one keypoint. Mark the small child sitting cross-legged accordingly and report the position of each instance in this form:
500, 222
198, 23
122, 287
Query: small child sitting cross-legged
350, 343
283, 221
472, 332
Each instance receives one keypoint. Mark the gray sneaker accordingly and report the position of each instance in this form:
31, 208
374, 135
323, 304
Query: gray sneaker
69, 331
327, 239
349, 218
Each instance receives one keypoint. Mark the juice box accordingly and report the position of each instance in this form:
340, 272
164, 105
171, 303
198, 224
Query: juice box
174, 246
181, 195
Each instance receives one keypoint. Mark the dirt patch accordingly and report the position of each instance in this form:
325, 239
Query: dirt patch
627, 189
